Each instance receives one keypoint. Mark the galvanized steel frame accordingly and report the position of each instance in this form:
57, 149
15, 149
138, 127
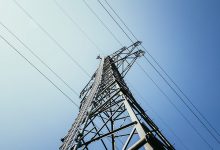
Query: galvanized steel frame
109, 114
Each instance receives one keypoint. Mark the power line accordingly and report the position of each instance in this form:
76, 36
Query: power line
36, 56
216, 139
197, 117
43, 64
16, 50
121, 20
47, 33
157, 63
77, 25
176, 108
100, 20
160, 118
52, 38
128, 37
116, 22
131, 40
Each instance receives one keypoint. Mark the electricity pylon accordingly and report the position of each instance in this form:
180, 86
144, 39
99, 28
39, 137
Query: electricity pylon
109, 116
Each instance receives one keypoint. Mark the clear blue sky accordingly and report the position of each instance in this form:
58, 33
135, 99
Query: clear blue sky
182, 35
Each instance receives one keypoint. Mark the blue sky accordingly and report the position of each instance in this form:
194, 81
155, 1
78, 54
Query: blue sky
182, 35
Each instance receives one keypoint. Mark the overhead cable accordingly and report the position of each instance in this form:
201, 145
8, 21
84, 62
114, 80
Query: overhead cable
29, 62
169, 77
203, 124
176, 108
36, 56
100, 20
158, 116
116, 22
77, 25
52, 38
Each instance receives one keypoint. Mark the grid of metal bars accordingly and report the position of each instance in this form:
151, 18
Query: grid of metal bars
109, 115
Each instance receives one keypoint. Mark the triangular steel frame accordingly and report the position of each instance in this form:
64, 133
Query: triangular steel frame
109, 115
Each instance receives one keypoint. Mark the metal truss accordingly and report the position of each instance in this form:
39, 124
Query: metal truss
109, 116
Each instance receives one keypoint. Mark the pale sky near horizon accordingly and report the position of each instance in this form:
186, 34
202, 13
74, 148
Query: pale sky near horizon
182, 35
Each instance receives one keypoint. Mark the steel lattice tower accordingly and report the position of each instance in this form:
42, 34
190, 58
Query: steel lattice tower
109, 116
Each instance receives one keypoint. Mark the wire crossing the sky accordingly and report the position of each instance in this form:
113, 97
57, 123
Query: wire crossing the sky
176, 108
184, 103
121, 20
204, 125
116, 22
115, 37
29, 62
157, 63
52, 38
157, 85
159, 117
36, 56
100, 20
77, 25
